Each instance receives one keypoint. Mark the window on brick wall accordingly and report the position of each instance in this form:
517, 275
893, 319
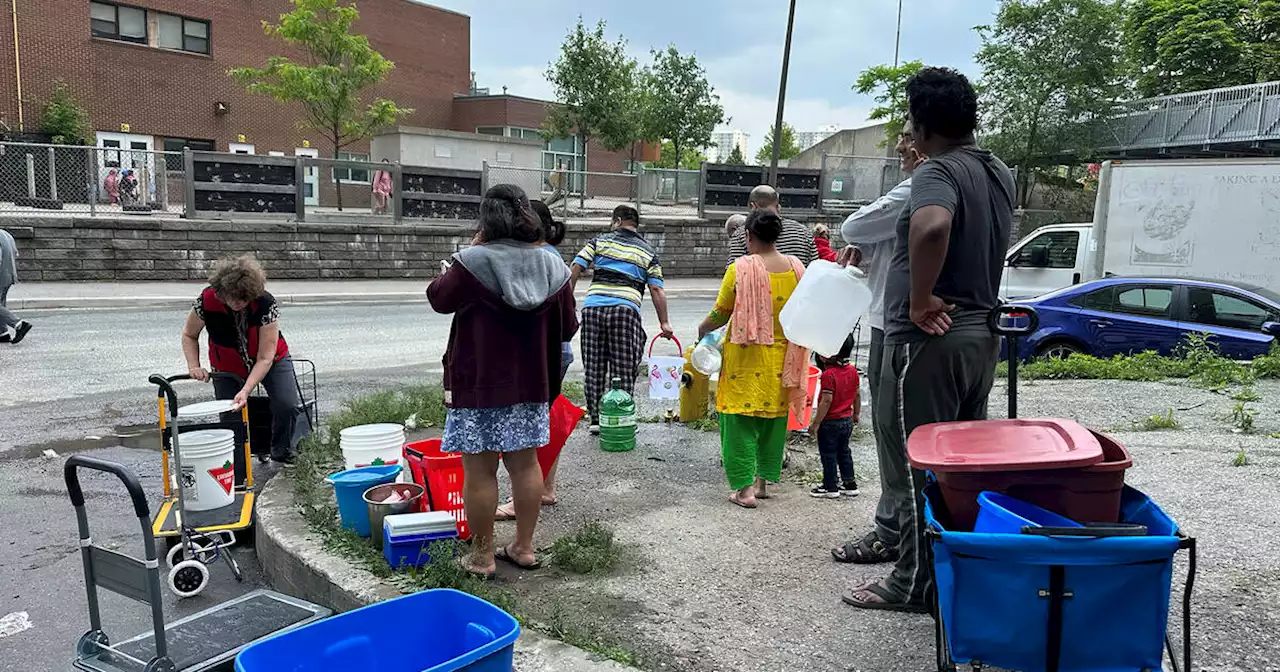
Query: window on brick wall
118, 23
156, 29
351, 174
181, 33
173, 160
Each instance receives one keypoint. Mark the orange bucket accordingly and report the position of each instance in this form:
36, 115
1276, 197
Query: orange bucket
810, 396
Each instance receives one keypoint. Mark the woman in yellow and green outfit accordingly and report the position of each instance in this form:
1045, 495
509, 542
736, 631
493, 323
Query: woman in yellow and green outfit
762, 374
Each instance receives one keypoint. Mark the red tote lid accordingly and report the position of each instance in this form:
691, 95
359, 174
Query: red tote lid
1003, 445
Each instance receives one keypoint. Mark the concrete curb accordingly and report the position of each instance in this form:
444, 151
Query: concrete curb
295, 562
140, 302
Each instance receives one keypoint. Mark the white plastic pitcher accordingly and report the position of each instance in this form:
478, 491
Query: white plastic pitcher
208, 468
372, 445
826, 304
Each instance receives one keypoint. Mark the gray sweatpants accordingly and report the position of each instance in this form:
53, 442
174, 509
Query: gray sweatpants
7, 318
937, 379
891, 498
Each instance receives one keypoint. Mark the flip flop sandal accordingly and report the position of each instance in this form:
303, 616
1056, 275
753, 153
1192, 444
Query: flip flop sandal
483, 576
868, 550
500, 514
734, 498
889, 603
505, 556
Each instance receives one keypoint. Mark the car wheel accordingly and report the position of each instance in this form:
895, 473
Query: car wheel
1058, 350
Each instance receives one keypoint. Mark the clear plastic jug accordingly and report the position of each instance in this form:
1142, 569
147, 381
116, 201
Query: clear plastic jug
706, 355
826, 304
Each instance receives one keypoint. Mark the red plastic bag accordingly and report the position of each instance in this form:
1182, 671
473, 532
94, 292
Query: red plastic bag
564, 417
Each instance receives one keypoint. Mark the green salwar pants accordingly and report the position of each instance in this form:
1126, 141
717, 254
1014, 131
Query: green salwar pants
752, 448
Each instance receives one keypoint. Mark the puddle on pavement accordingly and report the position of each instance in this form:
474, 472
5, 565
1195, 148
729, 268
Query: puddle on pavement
127, 436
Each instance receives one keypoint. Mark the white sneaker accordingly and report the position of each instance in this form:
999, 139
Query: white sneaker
594, 429
849, 492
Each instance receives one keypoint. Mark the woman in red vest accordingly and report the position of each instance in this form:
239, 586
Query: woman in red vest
243, 321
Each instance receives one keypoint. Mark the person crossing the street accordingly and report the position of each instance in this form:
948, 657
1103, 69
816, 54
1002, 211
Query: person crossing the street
613, 337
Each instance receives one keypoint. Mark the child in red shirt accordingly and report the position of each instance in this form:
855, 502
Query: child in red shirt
838, 410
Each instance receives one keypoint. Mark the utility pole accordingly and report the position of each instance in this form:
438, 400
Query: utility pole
782, 97
897, 37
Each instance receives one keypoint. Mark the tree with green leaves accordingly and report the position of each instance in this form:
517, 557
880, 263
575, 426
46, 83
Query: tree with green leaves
330, 82
632, 121
1049, 67
1175, 46
736, 158
787, 148
889, 83
686, 108
688, 156
591, 78
63, 118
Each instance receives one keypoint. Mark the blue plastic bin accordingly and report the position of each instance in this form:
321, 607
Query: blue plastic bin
349, 487
991, 591
1002, 514
411, 550
433, 631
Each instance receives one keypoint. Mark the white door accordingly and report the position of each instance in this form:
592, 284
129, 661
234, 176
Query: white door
310, 177
240, 148
1047, 262
127, 151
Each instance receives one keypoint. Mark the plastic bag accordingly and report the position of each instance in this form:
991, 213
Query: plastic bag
564, 418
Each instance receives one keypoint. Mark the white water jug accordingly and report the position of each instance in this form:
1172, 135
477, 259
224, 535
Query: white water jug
826, 304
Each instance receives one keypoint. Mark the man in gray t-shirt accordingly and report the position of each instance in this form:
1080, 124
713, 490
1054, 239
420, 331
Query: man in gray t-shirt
939, 356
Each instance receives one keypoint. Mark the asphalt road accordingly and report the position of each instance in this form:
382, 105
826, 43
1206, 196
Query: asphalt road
78, 384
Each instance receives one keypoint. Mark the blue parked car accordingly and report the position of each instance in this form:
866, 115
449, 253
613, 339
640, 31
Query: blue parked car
1117, 316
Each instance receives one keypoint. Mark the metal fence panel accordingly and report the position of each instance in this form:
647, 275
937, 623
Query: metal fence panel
848, 182
47, 179
334, 188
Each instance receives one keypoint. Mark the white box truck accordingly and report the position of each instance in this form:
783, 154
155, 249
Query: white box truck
1215, 219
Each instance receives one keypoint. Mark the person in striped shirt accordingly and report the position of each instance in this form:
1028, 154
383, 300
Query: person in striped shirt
796, 239
612, 332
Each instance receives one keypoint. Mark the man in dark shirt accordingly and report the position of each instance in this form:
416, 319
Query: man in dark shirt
939, 356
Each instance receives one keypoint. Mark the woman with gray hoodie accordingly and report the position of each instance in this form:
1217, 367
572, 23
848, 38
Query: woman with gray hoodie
512, 307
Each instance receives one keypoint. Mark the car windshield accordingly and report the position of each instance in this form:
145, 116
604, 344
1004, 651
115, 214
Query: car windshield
1265, 293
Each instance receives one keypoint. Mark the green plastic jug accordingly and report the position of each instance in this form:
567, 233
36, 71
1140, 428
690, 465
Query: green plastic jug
617, 419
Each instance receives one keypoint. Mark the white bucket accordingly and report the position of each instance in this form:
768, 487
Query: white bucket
372, 445
208, 468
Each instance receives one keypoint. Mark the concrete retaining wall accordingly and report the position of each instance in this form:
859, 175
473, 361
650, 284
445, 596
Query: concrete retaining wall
104, 249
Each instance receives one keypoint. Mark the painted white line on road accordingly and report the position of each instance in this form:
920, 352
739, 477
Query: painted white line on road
12, 624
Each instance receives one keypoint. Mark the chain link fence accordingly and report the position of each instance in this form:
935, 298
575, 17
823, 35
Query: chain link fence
570, 193
333, 188
48, 179
670, 192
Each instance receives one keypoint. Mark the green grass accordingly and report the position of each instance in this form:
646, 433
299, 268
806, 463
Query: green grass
1240, 460
708, 423
1159, 421
572, 390
590, 550
1241, 417
1198, 360
1246, 394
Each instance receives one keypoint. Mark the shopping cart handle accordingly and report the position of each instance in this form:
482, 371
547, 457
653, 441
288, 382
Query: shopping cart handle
1014, 312
76, 462
1096, 530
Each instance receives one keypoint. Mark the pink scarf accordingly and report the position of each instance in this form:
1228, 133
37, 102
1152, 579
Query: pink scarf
753, 322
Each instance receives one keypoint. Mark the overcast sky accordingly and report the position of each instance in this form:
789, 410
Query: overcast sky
740, 44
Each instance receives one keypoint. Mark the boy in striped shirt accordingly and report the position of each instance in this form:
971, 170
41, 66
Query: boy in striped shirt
612, 332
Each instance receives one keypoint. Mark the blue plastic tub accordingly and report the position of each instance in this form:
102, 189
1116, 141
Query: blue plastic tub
991, 601
1002, 514
349, 487
433, 631
411, 550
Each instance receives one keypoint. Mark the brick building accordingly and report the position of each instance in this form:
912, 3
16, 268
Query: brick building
153, 75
